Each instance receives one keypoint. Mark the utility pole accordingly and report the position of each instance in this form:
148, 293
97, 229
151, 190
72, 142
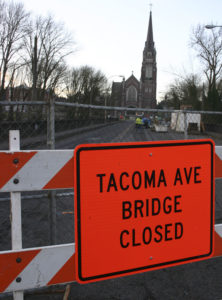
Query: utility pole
90, 102
34, 70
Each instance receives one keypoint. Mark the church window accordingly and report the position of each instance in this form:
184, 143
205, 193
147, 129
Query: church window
149, 73
131, 94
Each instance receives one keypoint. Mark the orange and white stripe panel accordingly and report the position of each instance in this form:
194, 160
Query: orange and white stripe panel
34, 268
36, 170
218, 162
217, 240
39, 267
49, 169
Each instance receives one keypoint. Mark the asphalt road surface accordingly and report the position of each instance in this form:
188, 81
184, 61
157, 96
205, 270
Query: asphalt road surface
193, 281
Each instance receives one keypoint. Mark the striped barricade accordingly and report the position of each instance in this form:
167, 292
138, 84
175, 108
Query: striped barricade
44, 170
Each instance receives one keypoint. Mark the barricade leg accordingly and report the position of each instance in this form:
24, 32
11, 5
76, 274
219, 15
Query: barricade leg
16, 220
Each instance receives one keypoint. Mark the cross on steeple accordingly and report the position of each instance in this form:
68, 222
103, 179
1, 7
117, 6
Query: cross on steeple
151, 5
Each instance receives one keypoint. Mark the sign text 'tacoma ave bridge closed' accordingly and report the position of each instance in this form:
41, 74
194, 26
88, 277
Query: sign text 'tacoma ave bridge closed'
142, 206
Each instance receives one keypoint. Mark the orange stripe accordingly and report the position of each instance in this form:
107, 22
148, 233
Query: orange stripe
10, 268
63, 179
217, 245
11, 163
66, 273
218, 166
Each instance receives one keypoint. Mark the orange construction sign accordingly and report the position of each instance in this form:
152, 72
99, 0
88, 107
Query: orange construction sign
142, 206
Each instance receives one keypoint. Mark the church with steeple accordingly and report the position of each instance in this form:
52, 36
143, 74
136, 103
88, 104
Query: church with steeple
141, 93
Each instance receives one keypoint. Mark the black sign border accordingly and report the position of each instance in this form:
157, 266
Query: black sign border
130, 146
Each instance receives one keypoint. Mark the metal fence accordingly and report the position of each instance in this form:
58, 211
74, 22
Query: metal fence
63, 125
43, 124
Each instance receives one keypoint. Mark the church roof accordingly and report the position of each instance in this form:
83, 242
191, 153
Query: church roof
132, 78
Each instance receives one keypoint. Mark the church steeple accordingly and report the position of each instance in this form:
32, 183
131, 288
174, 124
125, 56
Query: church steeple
133, 93
149, 40
148, 70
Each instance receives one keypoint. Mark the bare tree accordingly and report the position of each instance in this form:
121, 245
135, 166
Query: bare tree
208, 45
47, 45
13, 20
184, 90
85, 85
85, 82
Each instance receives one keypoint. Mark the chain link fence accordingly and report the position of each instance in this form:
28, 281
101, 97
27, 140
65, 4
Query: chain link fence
63, 125
44, 124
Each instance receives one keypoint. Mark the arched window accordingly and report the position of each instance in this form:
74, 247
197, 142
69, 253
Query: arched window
131, 94
149, 72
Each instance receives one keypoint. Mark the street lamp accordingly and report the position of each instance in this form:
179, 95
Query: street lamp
212, 26
116, 76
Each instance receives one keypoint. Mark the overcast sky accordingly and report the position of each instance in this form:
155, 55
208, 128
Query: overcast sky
110, 34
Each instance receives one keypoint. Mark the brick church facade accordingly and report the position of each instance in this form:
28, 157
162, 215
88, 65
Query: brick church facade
132, 92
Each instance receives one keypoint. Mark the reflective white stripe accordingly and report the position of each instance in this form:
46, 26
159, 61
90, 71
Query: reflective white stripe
218, 229
218, 150
43, 267
39, 170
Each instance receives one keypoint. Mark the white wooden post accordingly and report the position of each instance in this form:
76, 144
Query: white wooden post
185, 125
16, 220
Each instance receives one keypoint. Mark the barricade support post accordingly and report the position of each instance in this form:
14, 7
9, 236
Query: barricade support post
16, 218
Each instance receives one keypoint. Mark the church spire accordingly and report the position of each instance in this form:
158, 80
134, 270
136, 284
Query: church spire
149, 70
149, 40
